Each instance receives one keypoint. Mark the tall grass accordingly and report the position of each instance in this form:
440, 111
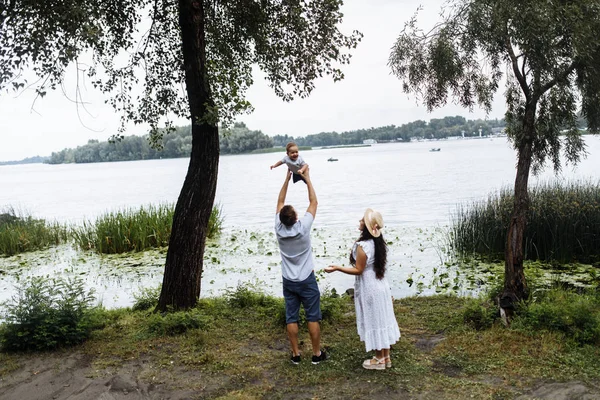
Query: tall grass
135, 230
563, 224
21, 233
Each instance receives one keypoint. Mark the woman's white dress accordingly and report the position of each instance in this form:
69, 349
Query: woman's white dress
375, 319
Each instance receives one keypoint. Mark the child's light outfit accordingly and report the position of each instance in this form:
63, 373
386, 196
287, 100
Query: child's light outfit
375, 319
294, 166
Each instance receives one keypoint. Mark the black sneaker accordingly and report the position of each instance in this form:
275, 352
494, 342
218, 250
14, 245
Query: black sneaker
295, 359
319, 358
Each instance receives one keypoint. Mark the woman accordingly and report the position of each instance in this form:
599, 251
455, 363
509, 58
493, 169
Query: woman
375, 319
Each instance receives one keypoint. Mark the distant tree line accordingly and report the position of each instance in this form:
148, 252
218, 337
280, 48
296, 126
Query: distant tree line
435, 129
240, 139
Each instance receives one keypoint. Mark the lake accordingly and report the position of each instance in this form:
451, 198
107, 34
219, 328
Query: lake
416, 191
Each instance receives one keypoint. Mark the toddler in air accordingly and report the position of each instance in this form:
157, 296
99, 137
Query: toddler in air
294, 162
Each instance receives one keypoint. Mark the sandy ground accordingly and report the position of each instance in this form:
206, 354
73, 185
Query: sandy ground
71, 376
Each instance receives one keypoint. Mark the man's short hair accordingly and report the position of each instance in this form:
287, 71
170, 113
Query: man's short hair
287, 216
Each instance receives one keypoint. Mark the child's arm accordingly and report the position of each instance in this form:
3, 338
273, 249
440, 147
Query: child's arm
277, 164
303, 169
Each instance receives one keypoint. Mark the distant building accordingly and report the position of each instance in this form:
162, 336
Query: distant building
369, 141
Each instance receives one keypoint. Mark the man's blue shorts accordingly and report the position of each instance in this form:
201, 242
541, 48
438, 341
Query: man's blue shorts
306, 293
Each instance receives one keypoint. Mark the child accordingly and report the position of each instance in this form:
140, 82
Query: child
294, 162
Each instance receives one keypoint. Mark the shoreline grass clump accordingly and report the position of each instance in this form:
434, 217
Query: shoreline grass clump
563, 224
20, 233
133, 230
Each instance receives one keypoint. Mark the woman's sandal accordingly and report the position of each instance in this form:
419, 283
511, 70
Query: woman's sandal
388, 362
374, 363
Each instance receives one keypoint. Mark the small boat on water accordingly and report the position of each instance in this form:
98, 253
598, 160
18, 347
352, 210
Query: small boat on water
435, 149
332, 159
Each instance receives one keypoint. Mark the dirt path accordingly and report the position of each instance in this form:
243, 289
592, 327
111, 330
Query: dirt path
71, 376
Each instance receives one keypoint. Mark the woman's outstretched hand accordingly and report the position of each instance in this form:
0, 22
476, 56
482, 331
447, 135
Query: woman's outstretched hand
331, 268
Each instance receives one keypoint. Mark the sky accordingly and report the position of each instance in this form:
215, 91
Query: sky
369, 96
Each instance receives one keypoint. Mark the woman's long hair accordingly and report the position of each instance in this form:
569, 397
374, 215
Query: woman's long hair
380, 252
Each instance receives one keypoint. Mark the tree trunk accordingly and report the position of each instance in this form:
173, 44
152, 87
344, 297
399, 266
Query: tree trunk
515, 287
184, 264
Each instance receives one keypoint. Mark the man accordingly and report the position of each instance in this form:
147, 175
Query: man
297, 266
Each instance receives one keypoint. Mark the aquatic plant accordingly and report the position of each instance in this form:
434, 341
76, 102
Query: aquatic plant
563, 224
134, 230
21, 233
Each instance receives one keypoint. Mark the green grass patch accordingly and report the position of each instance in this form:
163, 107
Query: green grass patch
134, 230
235, 346
21, 233
563, 224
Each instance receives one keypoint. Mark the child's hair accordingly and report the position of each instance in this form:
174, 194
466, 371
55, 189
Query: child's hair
380, 252
289, 146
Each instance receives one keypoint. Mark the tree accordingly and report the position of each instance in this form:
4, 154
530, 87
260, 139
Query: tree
194, 61
551, 52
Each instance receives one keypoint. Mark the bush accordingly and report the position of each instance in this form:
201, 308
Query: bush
480, 314
576, 315
147, 298
48, 313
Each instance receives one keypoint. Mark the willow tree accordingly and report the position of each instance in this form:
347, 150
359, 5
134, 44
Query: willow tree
547, 52
161, 59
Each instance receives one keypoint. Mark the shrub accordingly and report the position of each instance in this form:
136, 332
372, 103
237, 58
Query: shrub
147, 298
48, 313
480, 314
576, 315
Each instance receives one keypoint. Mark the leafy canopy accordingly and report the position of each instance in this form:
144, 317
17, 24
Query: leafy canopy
548, 51
131, 50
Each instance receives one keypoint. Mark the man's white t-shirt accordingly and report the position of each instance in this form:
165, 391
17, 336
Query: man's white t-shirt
295, 248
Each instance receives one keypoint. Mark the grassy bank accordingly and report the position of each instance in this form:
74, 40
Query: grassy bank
235, 347
563, 224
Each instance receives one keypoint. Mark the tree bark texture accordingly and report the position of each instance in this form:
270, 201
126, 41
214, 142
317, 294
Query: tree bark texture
184, 263
515, 286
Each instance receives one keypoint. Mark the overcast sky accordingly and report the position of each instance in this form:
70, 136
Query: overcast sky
369, 96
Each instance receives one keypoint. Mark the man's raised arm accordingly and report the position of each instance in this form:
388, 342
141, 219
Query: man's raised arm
283, 191
312, 196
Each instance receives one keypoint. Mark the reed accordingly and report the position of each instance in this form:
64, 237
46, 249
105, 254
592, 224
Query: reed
563, 224
21, 233
134, 230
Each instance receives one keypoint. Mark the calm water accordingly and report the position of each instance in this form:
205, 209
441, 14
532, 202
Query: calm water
415, 190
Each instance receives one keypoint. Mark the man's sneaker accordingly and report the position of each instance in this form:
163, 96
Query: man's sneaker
319, 358
295, 359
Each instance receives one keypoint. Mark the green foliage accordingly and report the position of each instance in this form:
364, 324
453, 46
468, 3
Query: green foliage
23, 233
577, 315
293, 43
147, 298
550, 49
480, 314
562, 224
48, 313
434, 129
174, 323
135, 230
239, 139
177, 143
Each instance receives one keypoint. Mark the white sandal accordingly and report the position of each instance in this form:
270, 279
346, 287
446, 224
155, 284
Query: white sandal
374, 363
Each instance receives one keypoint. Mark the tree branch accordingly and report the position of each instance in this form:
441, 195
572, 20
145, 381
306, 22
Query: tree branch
560, 77
515, 64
